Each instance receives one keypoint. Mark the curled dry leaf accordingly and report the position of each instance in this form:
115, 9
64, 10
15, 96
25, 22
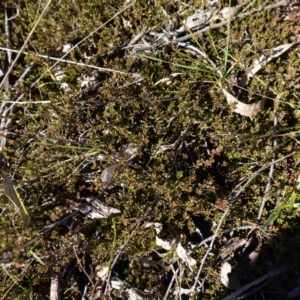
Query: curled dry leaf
179, 291
130, 151
169, 79
129, 292
117, 283
135, 294
225, 271
164, 244
267, 57
103, 273
159, 242
231, 246
230, 12
182, 253
157, 226
97, 210
198, 19
245, 264
249, 110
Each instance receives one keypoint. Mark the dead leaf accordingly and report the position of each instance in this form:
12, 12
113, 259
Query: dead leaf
258, 64
164, 244
107, 174
229, 12
169, 79
230, 278
130, 151
265, 58
98, 210
198, 19
136, 294
103, 273
225, 270
248, 110
179, 291
182, 253
245, 265
159, 242
157, 226
127, 291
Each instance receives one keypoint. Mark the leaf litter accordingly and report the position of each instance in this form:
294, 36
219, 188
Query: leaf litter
251, 110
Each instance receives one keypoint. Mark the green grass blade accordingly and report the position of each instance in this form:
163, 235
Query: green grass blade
36, 257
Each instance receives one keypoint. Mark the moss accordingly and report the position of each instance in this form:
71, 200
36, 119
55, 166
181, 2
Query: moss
208, 150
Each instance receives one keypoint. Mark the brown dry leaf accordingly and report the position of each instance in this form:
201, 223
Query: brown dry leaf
248, 110
258, 64
127, 291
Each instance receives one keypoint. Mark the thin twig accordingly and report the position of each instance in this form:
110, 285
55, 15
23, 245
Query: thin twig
266, 192
57, 59
83, 269
256, 283
119, 251
269, 183
48, 229
24, 45
176, 279
14, 16
171, 283
240, 16
234, 200
5, 121
80, 42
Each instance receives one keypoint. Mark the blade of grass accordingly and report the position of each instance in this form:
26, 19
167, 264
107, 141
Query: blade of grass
39, 260
295, 193
12, 277
174, 64
13, 196
290, 203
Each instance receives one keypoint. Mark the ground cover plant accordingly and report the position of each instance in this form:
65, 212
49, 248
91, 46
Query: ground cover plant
149, 150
